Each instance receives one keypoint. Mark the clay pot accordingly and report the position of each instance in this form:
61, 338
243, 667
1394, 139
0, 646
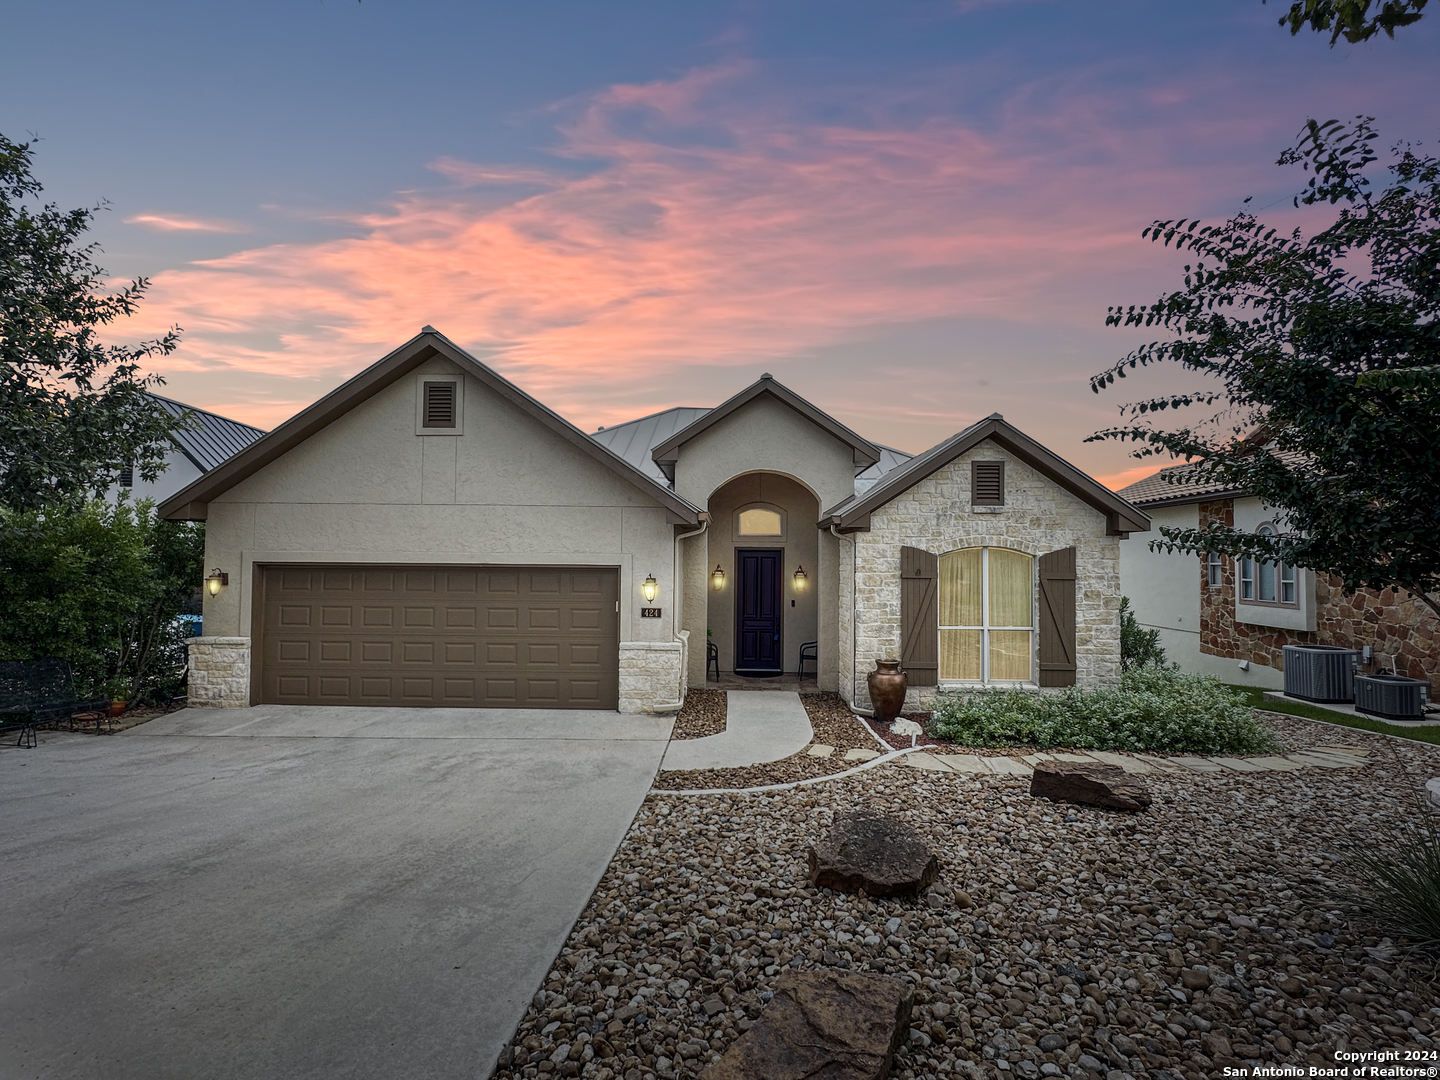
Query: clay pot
887, 690
116, 708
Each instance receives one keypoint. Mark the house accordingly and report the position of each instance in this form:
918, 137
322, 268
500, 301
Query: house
430, 534
1232, 618
194, 451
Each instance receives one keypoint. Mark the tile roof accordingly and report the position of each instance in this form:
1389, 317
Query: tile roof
634, 440
212, 439
1159, 487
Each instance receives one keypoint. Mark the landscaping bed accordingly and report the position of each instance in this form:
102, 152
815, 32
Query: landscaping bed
834, 725
1067, 941
702, 715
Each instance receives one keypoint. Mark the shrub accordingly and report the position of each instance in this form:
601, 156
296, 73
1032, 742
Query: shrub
1155, 709
1400, 894
100, 586
1138, 648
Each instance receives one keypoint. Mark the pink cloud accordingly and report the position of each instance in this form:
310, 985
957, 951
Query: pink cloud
172, 223
715, 230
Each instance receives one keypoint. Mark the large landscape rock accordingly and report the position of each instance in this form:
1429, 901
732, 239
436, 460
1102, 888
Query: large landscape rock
1089, 784
870, 851
822, 1025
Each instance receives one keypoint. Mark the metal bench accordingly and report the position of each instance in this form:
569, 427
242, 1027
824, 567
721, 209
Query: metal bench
35, 692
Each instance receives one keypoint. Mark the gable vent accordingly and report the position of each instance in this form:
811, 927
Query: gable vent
987, 483
127, 476
440, 404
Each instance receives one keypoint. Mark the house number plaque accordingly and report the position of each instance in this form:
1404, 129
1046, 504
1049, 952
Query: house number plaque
650, 613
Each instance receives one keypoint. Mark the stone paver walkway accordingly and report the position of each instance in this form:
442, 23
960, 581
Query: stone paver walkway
759, 728
1325, 757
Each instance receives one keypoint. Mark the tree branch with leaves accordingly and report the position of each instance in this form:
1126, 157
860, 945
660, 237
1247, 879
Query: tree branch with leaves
1322, 358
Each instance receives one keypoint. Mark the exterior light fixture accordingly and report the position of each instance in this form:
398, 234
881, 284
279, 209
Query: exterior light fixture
649, 588
217, 580
800, 578
717, 579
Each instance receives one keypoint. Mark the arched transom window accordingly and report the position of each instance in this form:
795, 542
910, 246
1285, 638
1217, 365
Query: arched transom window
758, 521
987, 615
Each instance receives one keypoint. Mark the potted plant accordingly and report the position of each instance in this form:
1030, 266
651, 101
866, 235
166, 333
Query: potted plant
116, 690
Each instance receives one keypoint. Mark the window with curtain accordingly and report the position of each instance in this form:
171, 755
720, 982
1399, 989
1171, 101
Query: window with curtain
1212, 568
987, 615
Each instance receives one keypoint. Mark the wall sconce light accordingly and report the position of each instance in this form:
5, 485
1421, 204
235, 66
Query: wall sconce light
800, 579
649, 588
217, 580
717, 579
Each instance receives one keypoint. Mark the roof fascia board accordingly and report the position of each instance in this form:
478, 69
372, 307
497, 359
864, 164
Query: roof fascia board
863, 453
1120, 515
426, 345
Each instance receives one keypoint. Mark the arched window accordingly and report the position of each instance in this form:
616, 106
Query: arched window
759, 521
987, 615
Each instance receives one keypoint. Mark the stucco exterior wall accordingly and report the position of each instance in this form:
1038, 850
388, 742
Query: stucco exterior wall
1039, 516
504, 489
799, 541
179, 470
762, 449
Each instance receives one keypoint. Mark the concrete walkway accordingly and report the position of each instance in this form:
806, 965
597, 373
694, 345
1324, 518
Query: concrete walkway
301, 892
759, 727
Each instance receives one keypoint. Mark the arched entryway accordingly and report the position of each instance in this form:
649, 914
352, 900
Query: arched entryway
765, 607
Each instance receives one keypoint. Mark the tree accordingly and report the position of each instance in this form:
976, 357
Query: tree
1351, 18
73, 412
1327, 352
99, 585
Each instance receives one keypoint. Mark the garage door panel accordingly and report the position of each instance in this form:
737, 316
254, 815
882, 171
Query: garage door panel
440, 636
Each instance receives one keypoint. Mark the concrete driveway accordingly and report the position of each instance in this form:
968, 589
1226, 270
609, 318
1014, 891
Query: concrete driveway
300, 892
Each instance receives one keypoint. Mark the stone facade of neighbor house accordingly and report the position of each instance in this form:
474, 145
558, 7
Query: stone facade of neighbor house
1401, 632
1039, 516
428, 534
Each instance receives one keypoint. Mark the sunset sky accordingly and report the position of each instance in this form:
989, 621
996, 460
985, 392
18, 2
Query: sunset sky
913, 212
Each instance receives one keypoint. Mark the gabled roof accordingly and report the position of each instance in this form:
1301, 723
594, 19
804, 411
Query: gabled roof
212, 439
1120, 516
634, 439
1167, 488
190, 502
863, 452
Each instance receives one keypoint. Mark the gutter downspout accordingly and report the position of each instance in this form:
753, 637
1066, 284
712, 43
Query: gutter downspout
854, 616
674, 706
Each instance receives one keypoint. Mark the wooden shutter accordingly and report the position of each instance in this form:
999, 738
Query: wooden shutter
1057, 618
439, 404
919, 616
987, 483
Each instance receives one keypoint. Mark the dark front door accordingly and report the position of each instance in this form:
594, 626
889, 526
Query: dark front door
758, 612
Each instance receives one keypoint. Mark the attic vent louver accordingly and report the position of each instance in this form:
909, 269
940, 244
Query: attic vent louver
440, 404
987, 483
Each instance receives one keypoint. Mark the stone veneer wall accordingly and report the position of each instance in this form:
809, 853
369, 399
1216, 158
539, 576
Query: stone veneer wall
219, 673
846, 553
652, 673
1039, 516
1403, 632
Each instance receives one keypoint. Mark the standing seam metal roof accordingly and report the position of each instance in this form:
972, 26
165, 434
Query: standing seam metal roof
212, 439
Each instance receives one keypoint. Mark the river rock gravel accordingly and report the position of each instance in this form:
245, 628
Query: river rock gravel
702, 715
1059, 940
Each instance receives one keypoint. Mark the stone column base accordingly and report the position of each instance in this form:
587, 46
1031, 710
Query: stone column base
219, 673
652, 673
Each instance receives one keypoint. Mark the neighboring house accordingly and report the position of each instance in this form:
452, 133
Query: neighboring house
429, 534
1233, 617
195, 450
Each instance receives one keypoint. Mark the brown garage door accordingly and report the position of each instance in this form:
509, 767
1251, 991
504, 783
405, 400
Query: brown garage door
508, 637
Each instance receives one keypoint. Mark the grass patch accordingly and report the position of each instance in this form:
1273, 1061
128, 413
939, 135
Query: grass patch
1156, 710
1255, 698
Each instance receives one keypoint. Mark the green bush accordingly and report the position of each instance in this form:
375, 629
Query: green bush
100, 586
1138, 648
1158, 710
1400, 894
